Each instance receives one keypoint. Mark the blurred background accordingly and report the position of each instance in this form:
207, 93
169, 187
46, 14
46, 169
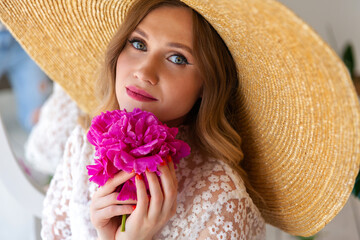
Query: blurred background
24, 88
337, 22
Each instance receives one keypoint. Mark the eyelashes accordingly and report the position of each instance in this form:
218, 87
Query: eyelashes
137, 44
177, 59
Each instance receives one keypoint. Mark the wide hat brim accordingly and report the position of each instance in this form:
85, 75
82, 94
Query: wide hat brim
300, 113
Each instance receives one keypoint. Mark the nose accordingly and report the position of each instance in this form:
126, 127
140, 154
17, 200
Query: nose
147, 71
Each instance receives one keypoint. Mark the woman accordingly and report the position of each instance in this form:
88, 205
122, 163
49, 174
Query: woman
255, 32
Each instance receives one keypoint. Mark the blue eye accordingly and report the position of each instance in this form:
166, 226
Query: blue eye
137, 44
178, 59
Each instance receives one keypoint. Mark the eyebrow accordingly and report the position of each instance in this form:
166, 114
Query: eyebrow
170, 44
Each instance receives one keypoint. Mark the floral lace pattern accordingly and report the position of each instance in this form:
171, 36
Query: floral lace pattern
212, 200
66, 213
212, 204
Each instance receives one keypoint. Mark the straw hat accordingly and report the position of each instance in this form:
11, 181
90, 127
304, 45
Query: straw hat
301, 121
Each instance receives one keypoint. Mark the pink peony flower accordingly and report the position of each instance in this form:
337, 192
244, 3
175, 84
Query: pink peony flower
131, 141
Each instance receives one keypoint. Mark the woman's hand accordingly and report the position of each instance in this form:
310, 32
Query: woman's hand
105, 208
152, 214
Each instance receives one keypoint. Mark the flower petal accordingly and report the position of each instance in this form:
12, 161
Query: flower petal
149, 162
131, 141
128, 191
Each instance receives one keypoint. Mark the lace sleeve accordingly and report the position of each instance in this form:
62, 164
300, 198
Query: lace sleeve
55, 219
45, 146
212, 204
66, 213
233, 216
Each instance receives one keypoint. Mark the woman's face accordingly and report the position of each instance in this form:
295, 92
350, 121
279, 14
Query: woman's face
156, 70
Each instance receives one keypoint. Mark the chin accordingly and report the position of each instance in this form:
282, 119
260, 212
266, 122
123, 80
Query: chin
130, 108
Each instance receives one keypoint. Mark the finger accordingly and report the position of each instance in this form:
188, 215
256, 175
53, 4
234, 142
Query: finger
102, 216
157, 196
142, 197
173, 208
171, 164
172, 170
169, 188
111, 199
111, 185
165, 170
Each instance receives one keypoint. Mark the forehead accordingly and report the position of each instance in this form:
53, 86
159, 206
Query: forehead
170, 22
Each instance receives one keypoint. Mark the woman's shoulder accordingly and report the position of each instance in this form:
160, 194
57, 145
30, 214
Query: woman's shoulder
78, 150
204, 179
78, 136
80, 153
213, 202
202, 172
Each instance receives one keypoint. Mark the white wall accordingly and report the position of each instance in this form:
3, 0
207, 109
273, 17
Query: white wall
336, 21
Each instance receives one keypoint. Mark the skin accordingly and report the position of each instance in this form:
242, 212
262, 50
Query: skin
169, 74
150, 64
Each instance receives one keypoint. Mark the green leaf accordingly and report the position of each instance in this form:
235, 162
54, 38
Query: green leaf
349, 59
307, 238
356, 189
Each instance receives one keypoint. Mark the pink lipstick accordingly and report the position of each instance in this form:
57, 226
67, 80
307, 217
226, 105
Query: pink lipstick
139, 94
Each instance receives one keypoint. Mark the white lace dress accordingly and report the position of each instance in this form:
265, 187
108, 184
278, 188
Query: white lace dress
212, 201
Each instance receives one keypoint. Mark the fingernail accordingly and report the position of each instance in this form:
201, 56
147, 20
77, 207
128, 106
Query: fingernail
169, 158
147, 170
163, 163
133, 171
138, 176
133, 207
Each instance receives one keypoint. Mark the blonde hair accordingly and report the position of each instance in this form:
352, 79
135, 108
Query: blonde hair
213, 120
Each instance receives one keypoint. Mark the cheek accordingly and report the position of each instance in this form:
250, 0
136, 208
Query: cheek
195, 89
120, 75
117, 90
120, 67
117, 82
188, 95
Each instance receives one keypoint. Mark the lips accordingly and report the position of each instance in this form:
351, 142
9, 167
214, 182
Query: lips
139, 94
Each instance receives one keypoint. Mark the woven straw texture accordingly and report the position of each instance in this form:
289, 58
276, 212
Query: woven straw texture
301, 121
